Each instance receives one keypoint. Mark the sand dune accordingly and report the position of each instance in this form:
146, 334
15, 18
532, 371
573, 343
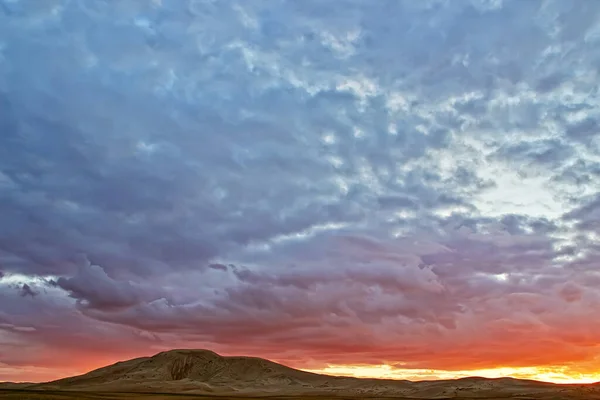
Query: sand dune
205, 372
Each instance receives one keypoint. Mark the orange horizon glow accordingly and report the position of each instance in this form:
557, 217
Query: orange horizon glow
552, 374
557, 374
51, 367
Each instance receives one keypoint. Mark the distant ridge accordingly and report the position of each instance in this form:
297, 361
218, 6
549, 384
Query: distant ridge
204, 372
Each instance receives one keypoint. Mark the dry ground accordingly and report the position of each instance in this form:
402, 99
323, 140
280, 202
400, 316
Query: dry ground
15, 394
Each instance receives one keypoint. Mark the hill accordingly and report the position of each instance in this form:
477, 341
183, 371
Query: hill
190, 371
205, 372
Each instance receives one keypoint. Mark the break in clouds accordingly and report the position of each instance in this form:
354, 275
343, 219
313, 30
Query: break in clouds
348, 182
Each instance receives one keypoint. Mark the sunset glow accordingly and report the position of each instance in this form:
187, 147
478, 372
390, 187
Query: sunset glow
546, 374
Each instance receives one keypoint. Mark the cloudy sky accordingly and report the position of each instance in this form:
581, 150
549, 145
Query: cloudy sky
380, 188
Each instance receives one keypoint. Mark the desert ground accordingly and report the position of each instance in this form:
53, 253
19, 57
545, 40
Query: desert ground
73, 395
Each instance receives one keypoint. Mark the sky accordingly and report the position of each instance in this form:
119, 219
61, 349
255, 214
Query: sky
404, 189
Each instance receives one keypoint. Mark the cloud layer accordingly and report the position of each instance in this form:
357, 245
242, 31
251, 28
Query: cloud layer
401, 183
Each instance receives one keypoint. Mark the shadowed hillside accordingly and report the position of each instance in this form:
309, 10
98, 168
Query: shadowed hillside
189, 370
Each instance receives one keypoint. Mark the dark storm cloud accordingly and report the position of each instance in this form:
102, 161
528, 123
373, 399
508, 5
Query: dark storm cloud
26, 290
93, 288
220, 267
333, 177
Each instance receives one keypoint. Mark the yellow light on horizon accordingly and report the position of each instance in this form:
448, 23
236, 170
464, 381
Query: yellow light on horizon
384, 371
